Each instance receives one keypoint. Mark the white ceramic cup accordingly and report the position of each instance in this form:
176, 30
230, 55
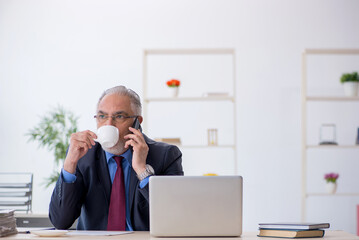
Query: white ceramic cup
107, 136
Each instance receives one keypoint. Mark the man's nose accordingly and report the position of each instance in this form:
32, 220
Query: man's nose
110, 121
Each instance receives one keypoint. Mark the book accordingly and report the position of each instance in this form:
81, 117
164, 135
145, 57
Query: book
290, 233
295, 226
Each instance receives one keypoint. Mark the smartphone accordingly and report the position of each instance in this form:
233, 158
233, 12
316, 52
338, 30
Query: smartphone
136, 124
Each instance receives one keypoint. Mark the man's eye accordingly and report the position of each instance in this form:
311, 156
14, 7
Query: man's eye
101, 116
119, 116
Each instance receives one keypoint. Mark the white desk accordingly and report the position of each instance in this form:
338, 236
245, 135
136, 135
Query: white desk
329, 235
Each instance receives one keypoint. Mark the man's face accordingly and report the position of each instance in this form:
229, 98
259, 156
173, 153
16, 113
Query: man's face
113, 105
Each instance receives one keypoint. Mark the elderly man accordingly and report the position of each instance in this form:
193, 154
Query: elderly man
88, 186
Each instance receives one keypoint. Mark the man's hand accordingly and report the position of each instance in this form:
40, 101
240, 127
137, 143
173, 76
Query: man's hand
140, 149
80, 143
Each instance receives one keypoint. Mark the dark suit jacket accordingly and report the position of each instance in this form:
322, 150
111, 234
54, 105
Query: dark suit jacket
89, 196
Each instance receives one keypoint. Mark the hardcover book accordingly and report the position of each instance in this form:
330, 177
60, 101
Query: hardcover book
290, 233
295, 226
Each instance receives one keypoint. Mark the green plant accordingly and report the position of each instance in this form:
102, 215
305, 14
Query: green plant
349, 77
53, 132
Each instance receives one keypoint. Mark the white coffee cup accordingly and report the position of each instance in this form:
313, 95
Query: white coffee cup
107, 136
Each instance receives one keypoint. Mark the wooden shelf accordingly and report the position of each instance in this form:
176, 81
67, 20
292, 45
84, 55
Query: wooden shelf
306, 99
189, 51
196, 99
333, 146
331, 98
332, 51
333, 195
188, 99
206, 146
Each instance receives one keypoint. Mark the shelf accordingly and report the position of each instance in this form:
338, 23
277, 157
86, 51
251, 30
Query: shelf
16, 191
188, 99
333, 146
213, 60
206, 146
334, 195
15, 185
331, 98
15, 203
332, 51
15, 194
189, 51
202, 146
324, 99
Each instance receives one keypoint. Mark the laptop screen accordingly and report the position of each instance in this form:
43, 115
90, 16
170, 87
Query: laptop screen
195, 206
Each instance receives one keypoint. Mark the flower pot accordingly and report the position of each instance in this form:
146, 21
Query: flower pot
174, 91
351, 88
331, 187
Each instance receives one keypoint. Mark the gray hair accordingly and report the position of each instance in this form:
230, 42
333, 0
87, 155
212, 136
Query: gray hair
123, 91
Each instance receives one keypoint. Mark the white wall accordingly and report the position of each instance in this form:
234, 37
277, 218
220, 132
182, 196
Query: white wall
68, 52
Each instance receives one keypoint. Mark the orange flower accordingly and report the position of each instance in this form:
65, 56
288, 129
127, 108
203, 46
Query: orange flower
173, 83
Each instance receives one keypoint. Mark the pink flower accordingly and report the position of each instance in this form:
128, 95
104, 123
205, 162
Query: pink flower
331, 177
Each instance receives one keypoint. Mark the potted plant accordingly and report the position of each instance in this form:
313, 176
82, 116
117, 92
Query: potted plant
53, 132
331, 179
174, 85
350, 83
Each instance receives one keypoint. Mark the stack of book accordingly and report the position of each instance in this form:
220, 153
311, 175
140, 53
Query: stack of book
292, 230
7, 223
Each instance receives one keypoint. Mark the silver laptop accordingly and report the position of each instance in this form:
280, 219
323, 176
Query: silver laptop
183, 206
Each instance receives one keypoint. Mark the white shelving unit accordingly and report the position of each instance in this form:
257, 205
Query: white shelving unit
193, 100
325, 99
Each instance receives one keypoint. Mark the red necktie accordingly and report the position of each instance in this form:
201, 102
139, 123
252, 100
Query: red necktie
117, 210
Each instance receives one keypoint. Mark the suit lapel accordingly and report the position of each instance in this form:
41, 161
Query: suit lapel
103, 173
133, 185
134, 182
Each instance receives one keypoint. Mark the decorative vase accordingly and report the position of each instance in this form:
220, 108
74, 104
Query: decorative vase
331, 187
174, 91
351, 88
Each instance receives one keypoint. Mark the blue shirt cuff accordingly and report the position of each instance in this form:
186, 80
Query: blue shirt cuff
68, 177
144, 182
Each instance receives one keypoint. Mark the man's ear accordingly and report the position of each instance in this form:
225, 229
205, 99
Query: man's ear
140, 119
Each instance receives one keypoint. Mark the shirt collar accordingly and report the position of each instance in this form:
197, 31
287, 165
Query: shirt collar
127, 155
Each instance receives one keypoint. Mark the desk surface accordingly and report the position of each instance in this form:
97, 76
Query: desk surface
333, 235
